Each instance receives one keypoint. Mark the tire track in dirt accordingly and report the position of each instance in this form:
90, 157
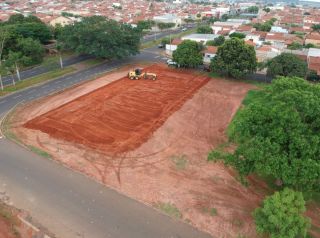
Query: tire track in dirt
122, 115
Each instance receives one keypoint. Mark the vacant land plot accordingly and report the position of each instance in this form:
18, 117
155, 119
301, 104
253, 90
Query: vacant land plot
122, 115
164, 130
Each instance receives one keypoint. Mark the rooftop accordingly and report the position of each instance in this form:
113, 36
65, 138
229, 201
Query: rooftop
200, 37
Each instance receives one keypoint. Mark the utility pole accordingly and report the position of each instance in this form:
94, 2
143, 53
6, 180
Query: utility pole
61, 60
18, 72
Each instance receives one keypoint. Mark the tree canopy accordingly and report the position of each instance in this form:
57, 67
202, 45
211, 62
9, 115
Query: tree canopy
204, 30
101, 37
315, 27
266, 26
163, 25
234, 59
24, 36
237, 35
281, 215
287, 64
252, 9
295, 46
188, 54
216, 42
145, 24
278, 134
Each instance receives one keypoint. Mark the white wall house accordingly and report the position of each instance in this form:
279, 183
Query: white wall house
254, 38
279, 29
209, 53
168, 18
200, 37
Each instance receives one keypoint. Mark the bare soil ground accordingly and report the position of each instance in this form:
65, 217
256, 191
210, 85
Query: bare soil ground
120, 116
6, 229
165, 165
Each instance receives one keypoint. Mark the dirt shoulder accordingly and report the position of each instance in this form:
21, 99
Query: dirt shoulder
170, 171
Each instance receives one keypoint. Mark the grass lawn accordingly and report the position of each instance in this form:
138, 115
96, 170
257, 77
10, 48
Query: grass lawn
150, 44
93, 62
37, 79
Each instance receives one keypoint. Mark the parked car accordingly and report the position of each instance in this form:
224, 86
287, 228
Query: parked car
160, 46
184, 29
172, 63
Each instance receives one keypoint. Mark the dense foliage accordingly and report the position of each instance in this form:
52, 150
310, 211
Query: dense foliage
146, 24
252, 9
204, 30
21, 42
315, 27
234, 59
101, 37
237, 35
188, 54
163, 25
216, 42
295, 46
281, 215
278, 134
287, 64
266, 26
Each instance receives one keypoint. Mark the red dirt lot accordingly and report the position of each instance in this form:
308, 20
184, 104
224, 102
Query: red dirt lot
122, 115
6, 229
150, 141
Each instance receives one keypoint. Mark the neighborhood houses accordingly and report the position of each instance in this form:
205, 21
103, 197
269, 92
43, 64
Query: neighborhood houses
113, 112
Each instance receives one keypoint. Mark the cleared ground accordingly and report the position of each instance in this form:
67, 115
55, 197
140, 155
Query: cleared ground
122, 115
165, 130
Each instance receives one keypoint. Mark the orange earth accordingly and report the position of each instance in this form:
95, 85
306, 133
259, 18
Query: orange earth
150, 141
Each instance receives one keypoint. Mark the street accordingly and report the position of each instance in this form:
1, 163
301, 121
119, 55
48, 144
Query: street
68, 203
7, 80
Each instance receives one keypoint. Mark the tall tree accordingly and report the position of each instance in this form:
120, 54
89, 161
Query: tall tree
15, 19
287, 64
234, 59
238, 35
316, 27
204, 30
101, 38
217, 41
281, 215
31, 50
188, 54
4, 35
34, 30
13, 62
278, 134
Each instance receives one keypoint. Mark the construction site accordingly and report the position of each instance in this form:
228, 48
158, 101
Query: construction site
149, 139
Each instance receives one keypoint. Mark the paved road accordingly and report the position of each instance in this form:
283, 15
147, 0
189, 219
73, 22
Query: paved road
74, 60
158, 35
44, 69
69, 204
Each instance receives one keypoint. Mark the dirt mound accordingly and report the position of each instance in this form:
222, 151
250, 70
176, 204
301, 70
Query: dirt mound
122, 115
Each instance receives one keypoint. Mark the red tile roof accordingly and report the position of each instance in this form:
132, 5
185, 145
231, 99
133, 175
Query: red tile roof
211, 50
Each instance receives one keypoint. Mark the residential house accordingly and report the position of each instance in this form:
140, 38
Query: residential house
266, 52
279, 29
209, 53
313, 38
173, 46
168, 18
203, 38
313, 60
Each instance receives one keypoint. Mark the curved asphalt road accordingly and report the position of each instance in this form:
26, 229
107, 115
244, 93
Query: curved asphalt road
68, 203
7, 80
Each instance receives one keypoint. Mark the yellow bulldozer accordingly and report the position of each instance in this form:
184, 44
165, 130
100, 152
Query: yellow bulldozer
137, 74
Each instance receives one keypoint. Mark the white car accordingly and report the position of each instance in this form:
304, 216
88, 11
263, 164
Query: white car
170, 62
